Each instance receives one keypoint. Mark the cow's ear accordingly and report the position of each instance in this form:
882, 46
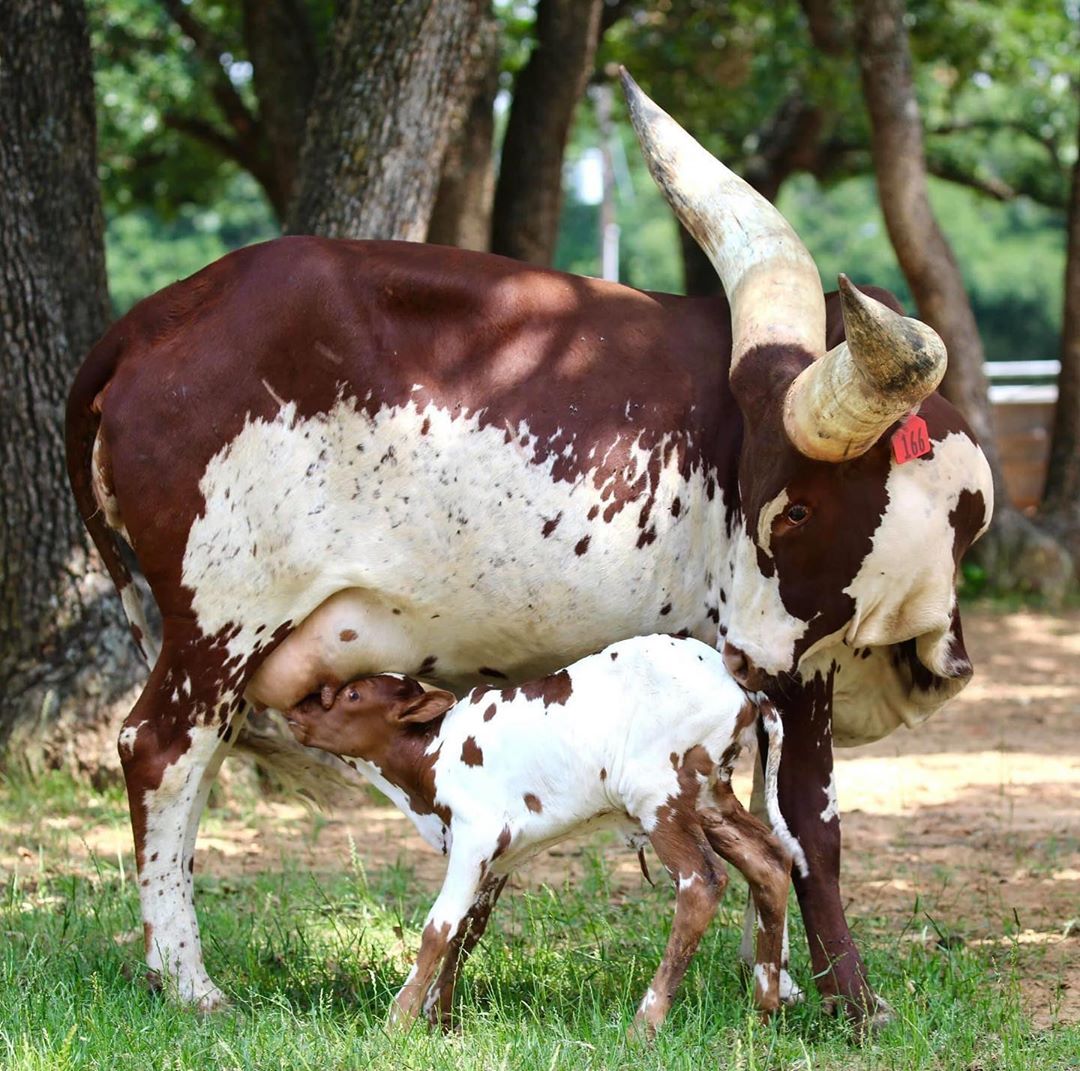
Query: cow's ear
943, 652
426, 707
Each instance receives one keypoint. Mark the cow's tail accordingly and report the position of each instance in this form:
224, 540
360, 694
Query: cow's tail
81, 423
314, 775
774, 729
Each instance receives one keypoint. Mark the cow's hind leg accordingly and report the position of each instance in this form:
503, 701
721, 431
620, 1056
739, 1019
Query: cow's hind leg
171, 748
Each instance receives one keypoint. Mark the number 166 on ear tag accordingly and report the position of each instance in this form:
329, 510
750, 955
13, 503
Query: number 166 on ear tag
910, 440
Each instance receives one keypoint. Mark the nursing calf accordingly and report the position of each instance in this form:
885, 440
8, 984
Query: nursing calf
640, 737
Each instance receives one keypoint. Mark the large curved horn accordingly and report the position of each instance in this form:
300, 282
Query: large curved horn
770, 279
838, 407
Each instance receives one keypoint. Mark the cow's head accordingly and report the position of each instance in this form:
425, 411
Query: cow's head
838, 542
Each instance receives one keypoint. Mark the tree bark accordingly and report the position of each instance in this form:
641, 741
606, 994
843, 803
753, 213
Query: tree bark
281, 46
380, 119
461, 215
1060, 509
65, 651
528, 194
1017, 554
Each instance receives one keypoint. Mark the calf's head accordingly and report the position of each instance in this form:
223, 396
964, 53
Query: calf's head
836, 540
362, 718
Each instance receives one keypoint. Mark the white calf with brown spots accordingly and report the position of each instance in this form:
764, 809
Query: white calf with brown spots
640, 737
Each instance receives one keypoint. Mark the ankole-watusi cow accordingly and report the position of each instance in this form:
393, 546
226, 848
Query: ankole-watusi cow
335, 458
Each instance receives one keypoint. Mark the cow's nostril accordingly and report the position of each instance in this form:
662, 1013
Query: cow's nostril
738, 665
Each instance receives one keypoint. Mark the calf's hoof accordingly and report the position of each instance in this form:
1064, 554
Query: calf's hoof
790, 992
641, 1031
212, 1001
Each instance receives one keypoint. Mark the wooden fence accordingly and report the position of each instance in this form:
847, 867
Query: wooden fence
1023, 395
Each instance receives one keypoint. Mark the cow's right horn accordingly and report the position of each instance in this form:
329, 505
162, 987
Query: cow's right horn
838, 407
769, 277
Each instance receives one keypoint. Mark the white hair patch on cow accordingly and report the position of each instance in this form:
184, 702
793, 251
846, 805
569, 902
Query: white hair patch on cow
831, 811
905, 586
760, 625
415, 508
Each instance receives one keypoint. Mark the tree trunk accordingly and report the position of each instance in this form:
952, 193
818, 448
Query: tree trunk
462, 212
1017, 555
380, 118
65, 651
528, 195
281, 47
1060, 511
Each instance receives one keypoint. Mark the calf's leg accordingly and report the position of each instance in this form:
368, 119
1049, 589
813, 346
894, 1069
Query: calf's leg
700, 879
171, 747
744, 841
441, 998
790, 992
445, 922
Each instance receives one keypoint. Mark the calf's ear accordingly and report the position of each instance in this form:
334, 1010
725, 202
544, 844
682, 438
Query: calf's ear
426, 707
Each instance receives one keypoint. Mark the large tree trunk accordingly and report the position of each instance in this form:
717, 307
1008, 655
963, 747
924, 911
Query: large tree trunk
1017, 555
1061, 500
65, 652
380, 118
281, 47
528, 195
461, 215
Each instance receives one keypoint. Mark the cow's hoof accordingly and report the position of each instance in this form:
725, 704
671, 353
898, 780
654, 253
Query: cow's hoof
641, 1031
867, 1022
878, 1018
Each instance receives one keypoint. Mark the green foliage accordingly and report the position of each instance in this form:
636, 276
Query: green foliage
145, 251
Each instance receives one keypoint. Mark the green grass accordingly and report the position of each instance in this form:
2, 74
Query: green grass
311, 962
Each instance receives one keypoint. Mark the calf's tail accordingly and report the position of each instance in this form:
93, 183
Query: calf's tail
774, 729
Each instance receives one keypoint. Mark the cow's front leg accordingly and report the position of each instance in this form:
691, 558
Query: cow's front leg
171, 748
808, 803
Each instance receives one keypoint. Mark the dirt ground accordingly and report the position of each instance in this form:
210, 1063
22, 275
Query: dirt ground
968, 826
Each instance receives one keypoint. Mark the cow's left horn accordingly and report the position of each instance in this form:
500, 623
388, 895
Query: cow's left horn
838, 407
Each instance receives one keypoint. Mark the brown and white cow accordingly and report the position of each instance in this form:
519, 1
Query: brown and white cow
378, 456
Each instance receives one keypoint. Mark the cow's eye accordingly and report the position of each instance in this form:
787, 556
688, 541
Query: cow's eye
354, 695
797, 514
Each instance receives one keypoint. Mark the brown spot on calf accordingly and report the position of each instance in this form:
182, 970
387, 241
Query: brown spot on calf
532, 801
471, 754
555, 689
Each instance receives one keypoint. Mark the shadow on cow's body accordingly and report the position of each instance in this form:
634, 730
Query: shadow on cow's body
341, 458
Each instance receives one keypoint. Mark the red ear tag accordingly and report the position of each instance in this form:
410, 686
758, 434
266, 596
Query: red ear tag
911, 440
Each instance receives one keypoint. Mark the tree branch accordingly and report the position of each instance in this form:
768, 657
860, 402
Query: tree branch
960, 126
211, 48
